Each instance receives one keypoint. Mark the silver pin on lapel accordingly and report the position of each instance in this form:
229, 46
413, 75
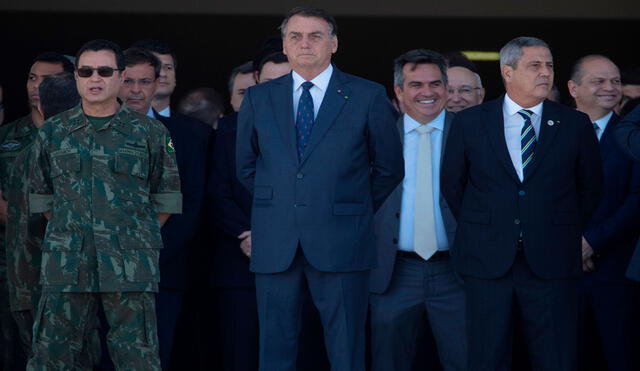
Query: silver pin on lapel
550, 122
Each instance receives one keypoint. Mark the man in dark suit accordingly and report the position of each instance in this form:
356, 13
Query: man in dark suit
236, 308
316, 182
610, 301
414, 276
628, 136
522, 176
191, 141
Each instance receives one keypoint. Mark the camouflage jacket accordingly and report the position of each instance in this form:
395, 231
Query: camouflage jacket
14, 137
24, 236
105, 187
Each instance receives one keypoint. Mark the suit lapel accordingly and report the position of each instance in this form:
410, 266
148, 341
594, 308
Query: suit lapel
332, 103
494, 127
282, 104
445, 132
549, 124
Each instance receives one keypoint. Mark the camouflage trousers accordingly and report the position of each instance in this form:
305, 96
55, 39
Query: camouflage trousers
62, 321
89, 357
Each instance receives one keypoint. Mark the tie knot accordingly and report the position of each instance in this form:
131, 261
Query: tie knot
525, 113
424, 129
595, 126
307, 85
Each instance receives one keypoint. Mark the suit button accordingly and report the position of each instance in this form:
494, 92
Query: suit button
517, 221
395, 241
522, 193
299, 175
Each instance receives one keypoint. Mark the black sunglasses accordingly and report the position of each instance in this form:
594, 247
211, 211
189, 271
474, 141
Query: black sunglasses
103, 71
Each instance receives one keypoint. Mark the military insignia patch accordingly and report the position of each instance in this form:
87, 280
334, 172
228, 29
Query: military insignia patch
170, 147
10, 145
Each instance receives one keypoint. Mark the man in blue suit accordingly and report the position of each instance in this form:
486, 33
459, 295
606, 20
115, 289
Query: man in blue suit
191, 141
610, 301
414, 281
522, 176
319, 150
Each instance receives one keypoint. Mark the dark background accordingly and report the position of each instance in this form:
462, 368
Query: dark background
209, 46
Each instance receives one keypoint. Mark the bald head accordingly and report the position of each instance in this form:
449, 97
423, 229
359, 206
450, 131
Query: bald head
465, 89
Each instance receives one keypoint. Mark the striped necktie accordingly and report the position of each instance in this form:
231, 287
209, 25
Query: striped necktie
527, 140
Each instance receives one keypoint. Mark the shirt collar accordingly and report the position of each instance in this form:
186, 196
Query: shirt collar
603, 121
411, 124
321, 81
512, 107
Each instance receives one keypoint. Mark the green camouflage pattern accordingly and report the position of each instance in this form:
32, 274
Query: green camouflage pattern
105, 187
14, 137
24, 236
62, 324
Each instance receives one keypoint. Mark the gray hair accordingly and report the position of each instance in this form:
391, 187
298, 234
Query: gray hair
417, 57
511, 52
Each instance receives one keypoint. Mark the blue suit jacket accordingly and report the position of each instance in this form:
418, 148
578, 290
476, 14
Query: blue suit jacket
550, 207
231, 206
387, 223
192, 140
613, 230
326, 201
628, 133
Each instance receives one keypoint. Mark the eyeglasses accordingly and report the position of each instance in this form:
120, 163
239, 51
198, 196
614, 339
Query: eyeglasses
465, 90
103, 71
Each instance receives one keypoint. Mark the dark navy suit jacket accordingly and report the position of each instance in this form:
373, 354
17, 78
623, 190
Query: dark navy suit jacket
493, 207
325, 202
231, 206
387, 223
192, 140
613, 230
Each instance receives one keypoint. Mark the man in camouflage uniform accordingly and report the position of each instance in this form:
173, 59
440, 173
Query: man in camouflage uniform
14, 138
106, 178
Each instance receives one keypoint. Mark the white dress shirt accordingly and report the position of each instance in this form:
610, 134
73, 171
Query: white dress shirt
602, 124
513, 124
320, 84
411, 142
165, 112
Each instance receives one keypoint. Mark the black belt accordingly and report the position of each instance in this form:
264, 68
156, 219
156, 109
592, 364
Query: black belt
438, 255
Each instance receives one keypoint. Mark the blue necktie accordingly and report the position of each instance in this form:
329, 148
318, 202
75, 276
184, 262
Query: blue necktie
304, 118
527, 140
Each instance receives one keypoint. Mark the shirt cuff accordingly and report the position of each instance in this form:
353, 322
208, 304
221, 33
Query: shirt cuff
40, 203
170, 203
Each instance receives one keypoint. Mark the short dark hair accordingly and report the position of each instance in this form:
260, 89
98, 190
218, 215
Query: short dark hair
58, 93
204, 104
309, 12
577, 72
269, 46
135, 56
277, 58
242, 69
417, 57
157, 46
55, 58
100, 44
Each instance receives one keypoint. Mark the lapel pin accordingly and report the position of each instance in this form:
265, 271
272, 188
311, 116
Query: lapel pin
550, 122
339, 91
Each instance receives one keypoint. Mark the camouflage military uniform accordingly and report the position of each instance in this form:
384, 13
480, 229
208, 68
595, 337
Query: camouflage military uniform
14, 137
105, 184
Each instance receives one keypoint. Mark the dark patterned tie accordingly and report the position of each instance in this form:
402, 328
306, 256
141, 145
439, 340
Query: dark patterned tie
596, 128
527, 140
304, 118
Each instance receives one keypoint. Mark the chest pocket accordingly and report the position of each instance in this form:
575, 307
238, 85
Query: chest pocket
65, 168
130, 162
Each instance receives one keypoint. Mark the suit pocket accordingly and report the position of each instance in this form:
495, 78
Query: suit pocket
349, 209
475, 217
263, 193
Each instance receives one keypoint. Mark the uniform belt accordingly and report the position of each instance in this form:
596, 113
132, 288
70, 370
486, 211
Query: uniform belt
438, 255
